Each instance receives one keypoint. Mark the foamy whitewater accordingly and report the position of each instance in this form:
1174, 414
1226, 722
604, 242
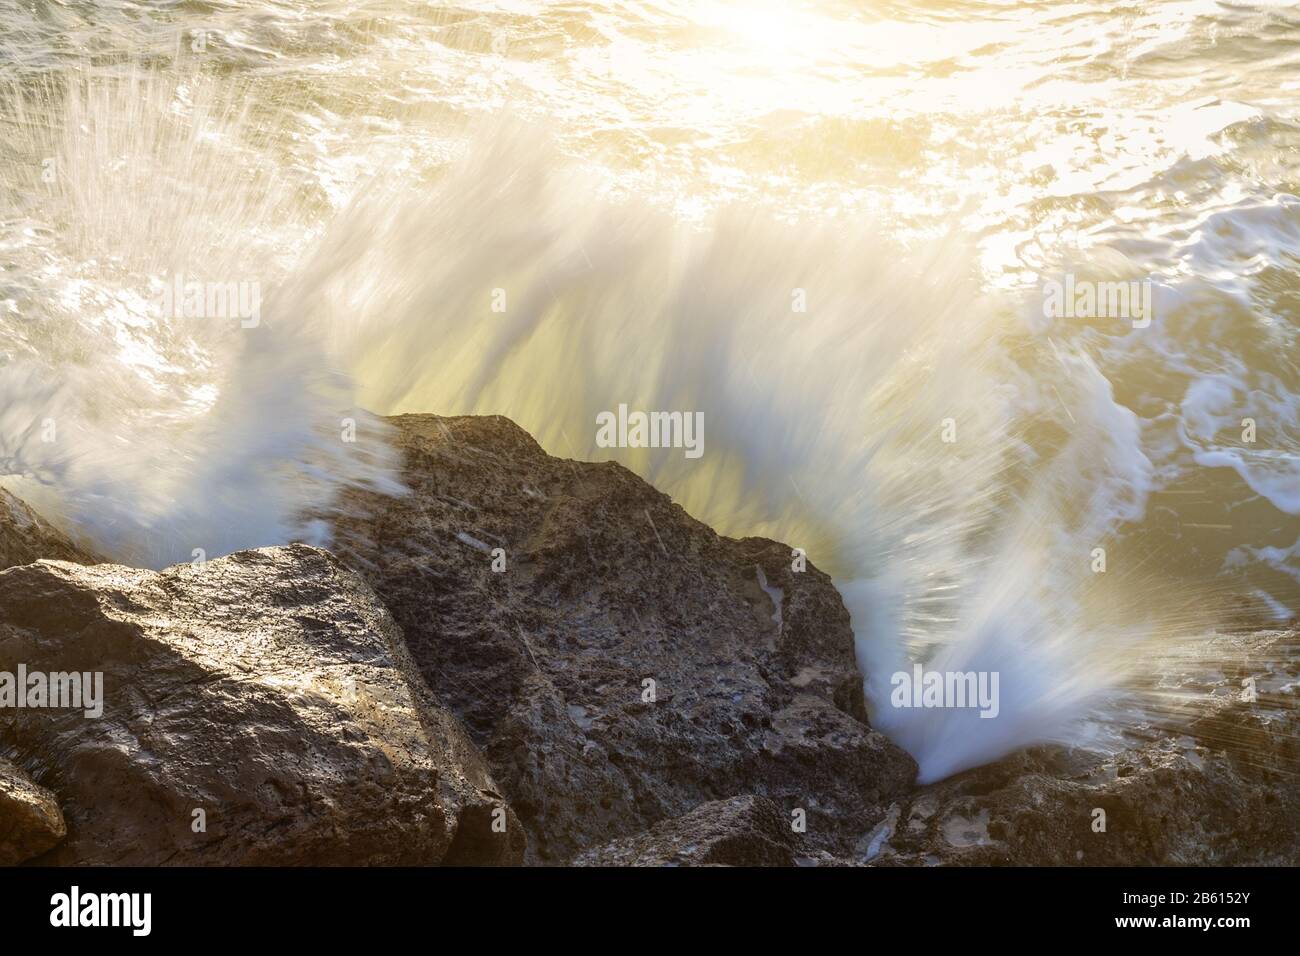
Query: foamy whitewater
826, 227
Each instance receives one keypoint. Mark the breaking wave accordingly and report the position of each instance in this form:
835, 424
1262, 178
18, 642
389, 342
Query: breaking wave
955, 460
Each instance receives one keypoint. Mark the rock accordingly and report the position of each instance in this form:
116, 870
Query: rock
629, 664
1163, 806
1214, 789
740, 831
30, 819
1256, 735
26, 537
270, 691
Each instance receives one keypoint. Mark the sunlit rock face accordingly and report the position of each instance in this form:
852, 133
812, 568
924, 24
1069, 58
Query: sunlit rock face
257, 709
25, 536
624, 663
30, 819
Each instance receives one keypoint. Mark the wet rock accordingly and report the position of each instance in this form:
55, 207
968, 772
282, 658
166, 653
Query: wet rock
1250, 710
1213, 789
26, 537
1163, 805
258, 709
740, 831
30, 819
629, 664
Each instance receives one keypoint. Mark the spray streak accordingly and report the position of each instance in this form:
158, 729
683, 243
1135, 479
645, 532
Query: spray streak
158, 435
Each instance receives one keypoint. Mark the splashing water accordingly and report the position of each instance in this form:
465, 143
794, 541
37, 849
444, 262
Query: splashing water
676, 207
176, 434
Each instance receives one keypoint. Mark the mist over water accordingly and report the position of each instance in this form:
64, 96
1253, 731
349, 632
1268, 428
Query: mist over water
657, 191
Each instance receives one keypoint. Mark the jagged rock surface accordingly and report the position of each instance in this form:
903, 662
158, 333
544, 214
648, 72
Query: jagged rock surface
26, 537
30, 819
608, 585
269, 690
740, 831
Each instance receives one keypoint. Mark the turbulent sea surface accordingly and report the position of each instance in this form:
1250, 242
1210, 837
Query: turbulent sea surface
826, 226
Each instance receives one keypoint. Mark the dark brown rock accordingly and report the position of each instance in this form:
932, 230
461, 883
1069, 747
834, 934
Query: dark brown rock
740, 831
608, 584
268, 689
30, 819
26, 537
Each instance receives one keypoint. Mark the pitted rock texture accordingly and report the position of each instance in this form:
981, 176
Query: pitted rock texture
740, 831
609, 586
30, 819
26, 537
269, 690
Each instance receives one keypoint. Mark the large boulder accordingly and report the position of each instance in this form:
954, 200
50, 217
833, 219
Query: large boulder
257, 709
628, 664
30, 819
26, 537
